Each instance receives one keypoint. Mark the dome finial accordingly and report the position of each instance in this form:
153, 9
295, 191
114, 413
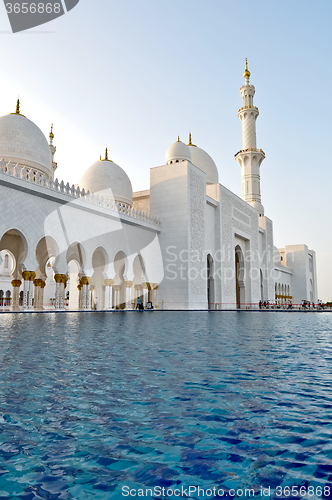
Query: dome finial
190, 143
51, 136
17, 112
106, 154
246, 74
178, 138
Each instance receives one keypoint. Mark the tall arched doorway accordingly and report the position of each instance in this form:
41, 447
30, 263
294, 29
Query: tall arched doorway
262, 285
210, 282
239, 278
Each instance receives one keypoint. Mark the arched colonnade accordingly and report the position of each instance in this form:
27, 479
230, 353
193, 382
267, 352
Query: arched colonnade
81, 278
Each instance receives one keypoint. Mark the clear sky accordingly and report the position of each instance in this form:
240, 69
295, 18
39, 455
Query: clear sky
133, 75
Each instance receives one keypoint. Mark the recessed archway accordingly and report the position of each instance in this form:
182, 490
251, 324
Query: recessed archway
239, 277
210, 281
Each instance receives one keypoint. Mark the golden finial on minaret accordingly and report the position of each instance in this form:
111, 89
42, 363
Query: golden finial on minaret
190, 143
246, 74
51, 136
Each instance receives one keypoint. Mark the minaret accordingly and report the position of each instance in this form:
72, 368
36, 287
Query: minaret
249, 158
54, 165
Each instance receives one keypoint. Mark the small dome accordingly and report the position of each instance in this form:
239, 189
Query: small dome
177, 151
108, 179
205, 163
22, 142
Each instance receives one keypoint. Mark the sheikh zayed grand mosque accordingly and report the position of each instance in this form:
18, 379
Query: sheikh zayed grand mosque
187, 242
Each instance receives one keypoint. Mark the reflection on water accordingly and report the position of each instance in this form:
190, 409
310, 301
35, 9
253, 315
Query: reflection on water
92, 402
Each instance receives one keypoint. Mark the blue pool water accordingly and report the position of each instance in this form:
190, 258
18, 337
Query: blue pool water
90, 403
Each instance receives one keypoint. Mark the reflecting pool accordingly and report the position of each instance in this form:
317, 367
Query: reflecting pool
94, 405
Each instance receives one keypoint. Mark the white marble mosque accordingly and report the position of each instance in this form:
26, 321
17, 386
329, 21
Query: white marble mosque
187, 242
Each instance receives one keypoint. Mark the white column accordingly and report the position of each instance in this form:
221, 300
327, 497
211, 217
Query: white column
30, 289
155, 295
116, 292
145, 293
86, 293
41, 295
26, 277
108, 293
63, 290
16, 295
129, 285
36, 297
57, 279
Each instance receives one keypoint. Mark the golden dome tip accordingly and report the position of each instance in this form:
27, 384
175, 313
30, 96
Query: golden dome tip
246, 73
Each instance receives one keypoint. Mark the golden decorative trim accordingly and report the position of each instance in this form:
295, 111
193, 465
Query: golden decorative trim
128, 284
108, 282
84, 280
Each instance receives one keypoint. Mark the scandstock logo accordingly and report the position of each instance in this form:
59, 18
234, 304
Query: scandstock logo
25, 14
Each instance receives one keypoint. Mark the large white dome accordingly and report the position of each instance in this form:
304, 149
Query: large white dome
177, 151
108, 179
204, 162
22, 142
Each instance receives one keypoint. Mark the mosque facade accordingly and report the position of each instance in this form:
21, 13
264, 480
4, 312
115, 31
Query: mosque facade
187, 242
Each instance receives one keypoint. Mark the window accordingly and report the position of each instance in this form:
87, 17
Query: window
6, 261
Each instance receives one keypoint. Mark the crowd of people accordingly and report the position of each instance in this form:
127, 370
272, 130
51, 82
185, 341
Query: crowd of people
305, 304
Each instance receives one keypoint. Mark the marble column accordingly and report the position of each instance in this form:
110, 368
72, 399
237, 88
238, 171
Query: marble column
30, 289
146, 287
116, 291
26, 277
36, 298
41, 294
16, 295
85, 293
80, 293
108, 293
62, 290
155, 295
129, 286
57, 279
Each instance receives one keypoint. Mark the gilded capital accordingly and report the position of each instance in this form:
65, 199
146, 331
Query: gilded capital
26, 275
128, 284
16, 283
84, 280
108, 282
58, 278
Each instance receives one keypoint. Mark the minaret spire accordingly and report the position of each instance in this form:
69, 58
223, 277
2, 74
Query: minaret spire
249, 158
54, 165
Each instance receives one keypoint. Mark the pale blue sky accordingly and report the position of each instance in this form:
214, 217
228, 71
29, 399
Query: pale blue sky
135, 74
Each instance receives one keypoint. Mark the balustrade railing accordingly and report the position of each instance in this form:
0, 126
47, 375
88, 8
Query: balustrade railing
40, 179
